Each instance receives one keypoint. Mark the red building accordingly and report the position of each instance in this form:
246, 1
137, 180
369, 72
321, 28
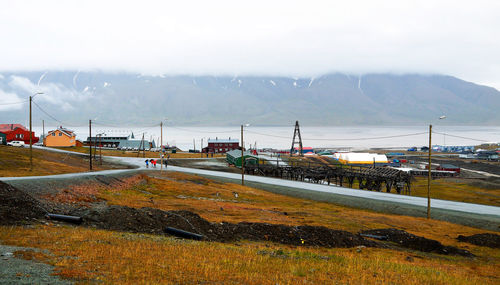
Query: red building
449, 167
221, 145
17, 132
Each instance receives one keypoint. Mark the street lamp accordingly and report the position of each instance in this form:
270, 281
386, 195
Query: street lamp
243, 157
31, 134
161, 145
430, 172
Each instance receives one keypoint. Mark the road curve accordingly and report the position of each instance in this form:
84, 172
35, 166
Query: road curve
393, 203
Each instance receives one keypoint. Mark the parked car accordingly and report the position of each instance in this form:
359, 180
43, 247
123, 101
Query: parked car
16, 143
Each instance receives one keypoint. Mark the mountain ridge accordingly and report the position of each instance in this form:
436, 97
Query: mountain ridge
330, 99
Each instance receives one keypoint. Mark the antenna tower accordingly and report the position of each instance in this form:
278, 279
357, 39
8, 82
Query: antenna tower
296, 134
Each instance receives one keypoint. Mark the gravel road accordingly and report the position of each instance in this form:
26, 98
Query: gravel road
15, 270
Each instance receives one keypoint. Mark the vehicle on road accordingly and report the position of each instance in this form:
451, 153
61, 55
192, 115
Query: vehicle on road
16, 143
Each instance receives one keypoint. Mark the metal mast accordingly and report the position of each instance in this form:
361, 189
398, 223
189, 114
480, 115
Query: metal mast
296, 133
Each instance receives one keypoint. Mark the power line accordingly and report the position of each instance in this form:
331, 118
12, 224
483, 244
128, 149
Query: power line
14, 103
467, 138
117, 125
268, 135
199, 131
342, 139
54, 118
370, 138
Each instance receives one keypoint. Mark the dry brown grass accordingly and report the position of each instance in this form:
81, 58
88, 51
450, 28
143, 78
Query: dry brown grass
176, 191
456, 190
90, 255
15, 161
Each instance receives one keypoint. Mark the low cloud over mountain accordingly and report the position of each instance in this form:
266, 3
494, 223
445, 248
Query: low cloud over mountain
332, 99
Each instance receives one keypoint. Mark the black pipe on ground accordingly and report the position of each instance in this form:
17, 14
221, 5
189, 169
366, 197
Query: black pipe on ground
183, 234
375, 236
64, 218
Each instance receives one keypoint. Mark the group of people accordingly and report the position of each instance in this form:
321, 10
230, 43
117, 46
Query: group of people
152, 161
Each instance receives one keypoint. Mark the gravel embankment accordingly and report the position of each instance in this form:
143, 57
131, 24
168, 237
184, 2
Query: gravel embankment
14, 270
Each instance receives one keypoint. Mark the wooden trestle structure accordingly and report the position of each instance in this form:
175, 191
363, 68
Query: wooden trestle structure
369, 178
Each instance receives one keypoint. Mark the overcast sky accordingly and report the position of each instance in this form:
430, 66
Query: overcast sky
292, 38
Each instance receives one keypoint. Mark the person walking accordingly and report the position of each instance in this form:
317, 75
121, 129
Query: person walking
147, 163
154, 163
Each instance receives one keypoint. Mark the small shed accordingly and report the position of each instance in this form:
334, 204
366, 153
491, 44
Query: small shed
449, 167
234, 157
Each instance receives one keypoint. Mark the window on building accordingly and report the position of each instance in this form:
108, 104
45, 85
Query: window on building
53, 134
60, 134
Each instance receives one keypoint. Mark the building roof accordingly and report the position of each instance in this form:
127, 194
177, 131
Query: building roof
134, 144
223, 140
449, 166
237, 153
10, 127
65, 131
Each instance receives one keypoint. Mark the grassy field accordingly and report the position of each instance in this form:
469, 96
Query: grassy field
15, 161
90, 255
457, 189
130, 153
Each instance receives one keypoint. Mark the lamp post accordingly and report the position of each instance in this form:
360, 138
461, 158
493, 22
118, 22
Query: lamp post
429, 175
243, 157
31, 133
161, 146
429, 178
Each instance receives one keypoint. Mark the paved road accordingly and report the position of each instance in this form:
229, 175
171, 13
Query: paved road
371, 195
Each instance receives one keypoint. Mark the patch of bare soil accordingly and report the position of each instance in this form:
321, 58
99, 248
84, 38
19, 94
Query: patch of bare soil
17, 207
486, 239
149, 220
411, 241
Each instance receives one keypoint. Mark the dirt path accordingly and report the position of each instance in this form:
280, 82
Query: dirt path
16, 270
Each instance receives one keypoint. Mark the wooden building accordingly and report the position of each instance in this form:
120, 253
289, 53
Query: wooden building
234, 157
60, 137
17, 132
449, 167
3, 139
221, 145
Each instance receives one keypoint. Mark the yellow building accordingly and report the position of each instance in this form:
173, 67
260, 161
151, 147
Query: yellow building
60, 137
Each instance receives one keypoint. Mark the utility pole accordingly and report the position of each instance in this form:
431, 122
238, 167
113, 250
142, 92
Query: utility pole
143, 147
95, 146
31, 139
430, 175
100, 149
242, 159
194, 146
43, 131
201, 148
90, 146
161, 147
